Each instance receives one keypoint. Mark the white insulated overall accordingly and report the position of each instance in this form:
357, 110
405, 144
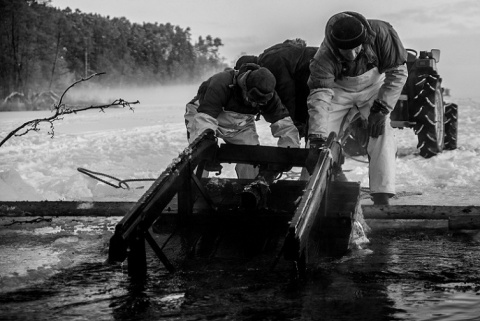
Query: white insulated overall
350, 96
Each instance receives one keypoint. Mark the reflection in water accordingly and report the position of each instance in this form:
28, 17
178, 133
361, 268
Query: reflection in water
403, 275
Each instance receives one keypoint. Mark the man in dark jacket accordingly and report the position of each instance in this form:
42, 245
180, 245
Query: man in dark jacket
359, 68
228, 103
289, 63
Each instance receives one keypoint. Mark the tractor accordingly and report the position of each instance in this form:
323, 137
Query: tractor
420, 106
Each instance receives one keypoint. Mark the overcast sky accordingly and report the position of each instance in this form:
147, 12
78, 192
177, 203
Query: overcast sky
250, 26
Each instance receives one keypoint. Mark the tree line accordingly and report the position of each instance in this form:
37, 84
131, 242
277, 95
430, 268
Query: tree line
43, 49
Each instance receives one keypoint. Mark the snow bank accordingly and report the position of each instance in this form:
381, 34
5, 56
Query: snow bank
141, 144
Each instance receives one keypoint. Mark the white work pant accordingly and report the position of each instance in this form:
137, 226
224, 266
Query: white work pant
356, 94
232, 127
246, 134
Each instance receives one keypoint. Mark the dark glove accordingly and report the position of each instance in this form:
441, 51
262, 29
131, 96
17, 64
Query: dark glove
302, 129
316, 144
210, 133
377, 119
271, 172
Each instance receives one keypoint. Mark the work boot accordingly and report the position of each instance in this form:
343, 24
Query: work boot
381, 198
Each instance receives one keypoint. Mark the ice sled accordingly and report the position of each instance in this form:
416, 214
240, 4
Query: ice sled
295, 219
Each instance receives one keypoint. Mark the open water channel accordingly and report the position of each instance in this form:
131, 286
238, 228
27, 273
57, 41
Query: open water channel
53, 269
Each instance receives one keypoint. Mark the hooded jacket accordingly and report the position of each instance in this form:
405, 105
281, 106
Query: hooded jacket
221, 94
382, 49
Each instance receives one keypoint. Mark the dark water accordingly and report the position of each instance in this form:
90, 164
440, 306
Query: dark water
401, 275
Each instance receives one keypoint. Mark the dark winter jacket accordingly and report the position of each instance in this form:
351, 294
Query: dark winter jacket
221, 92
382, 49
220, 106
289, 63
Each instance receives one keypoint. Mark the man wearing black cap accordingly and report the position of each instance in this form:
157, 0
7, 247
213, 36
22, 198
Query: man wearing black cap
289, 62
228, 103
359, 68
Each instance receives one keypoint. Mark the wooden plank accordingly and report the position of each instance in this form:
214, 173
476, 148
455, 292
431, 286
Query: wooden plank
282, 199
425, 212
312, 203
64, 208
166, 186
332, 230
247, 154
343, 197
464, 222
399, 224
80, 208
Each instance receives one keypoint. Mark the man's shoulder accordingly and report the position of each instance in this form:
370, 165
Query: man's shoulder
324, 56
221, 80
376, 23
282, 50
222, 77
311, 51
380, 27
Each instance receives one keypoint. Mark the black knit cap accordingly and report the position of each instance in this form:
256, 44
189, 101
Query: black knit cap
261, 84
348, 33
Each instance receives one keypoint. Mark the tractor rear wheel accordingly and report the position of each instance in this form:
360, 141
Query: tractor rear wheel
429, 112
451, 126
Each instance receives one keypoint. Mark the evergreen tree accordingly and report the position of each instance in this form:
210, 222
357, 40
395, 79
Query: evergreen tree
43, 48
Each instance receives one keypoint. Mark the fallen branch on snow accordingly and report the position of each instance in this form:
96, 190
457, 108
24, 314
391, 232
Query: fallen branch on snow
61, 109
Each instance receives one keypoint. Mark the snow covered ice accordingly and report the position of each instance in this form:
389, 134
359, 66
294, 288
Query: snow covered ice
142, 143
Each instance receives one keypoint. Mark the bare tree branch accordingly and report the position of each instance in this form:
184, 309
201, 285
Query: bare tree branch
61, 109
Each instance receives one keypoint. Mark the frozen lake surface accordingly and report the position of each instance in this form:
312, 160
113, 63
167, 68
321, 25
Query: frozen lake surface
140, 144
52, 268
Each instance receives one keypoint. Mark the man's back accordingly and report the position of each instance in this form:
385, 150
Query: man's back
290, 65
